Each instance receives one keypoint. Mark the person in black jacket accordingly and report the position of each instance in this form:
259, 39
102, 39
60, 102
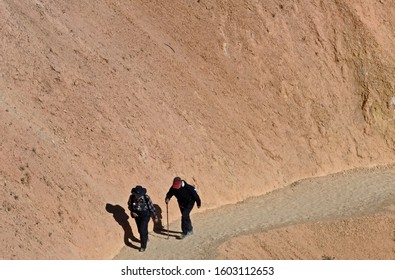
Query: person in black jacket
186, 197
141, 209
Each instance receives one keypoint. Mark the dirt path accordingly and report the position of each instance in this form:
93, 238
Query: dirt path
353, 193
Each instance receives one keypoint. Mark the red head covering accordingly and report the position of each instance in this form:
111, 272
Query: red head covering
176, 183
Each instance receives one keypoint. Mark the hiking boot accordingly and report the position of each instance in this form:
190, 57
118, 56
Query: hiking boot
183, 235
142, 249
189, 233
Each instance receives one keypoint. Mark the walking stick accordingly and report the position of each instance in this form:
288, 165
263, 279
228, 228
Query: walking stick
167, 217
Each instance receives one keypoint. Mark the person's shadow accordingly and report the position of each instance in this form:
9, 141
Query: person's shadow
120, 216
159, 228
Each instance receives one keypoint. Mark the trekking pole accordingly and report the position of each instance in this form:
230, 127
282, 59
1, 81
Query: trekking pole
167, 217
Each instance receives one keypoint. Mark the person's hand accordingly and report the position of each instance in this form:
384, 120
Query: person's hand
167, 200
134, 215
156, 220
198, 206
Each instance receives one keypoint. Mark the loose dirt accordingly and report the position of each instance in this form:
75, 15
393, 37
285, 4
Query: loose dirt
330, 198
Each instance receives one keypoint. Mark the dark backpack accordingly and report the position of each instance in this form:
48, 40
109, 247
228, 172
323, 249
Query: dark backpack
138, 204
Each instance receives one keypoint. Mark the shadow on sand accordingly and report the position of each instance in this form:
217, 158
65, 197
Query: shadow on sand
160, 229
120, 216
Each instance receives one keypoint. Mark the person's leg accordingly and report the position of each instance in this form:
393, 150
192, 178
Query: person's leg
183, 221
144, 230
138, 222
186, 223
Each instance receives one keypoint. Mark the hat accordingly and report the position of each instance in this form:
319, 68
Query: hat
176, 183
139, 191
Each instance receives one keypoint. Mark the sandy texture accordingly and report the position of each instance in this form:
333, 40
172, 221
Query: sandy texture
238, 97
327, 198
363, 238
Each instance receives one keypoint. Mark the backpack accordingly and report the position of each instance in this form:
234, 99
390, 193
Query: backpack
138, 205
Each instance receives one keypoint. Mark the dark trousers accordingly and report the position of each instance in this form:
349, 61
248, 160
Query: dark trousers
142, 225
186, 223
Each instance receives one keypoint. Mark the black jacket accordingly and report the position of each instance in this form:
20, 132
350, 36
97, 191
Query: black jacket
186, 195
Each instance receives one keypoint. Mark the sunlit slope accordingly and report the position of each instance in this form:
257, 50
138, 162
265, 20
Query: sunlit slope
237, 97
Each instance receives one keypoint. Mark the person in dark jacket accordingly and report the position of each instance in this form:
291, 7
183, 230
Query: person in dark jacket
186, 197
141, 209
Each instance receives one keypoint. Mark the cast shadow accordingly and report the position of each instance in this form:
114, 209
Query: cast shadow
159, 228
120, 216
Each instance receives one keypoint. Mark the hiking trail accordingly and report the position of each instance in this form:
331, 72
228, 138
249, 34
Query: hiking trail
346, 194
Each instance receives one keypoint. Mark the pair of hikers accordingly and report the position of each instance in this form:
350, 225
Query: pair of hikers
141, 207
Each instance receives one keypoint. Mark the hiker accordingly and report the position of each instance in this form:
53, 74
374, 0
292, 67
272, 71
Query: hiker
186, 197
141, 209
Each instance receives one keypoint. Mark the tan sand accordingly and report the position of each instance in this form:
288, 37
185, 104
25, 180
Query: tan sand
239, 97
369, 237
330, 198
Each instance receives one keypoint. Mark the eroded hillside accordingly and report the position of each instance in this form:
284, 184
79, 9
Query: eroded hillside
238, 97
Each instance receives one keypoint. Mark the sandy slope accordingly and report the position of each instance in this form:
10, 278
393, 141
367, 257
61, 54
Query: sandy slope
366, 237
358, 192
99, 96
